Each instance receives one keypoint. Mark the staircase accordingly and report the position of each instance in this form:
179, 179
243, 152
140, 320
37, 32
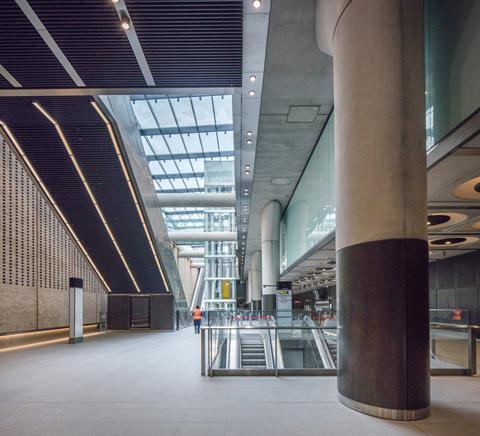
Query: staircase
253, 352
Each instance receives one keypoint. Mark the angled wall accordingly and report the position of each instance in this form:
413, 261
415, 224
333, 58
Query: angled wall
37, 257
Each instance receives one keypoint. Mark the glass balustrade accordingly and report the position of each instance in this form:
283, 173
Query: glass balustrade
248, 342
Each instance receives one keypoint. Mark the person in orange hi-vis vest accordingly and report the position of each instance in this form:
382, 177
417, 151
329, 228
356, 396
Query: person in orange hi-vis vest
197, 318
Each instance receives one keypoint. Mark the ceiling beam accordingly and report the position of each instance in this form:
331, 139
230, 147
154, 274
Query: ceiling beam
179, 156
183, 212
187, 129
202, 236
207, 199
132, 36
9, 78
72, 92
180, 191
176, 176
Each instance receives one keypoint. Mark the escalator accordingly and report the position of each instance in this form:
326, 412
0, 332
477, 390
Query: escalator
246, 344
252, 352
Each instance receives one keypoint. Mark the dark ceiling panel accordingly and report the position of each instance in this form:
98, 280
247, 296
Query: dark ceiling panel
90, 36
24, 53
4, 83
95, 154
192, 43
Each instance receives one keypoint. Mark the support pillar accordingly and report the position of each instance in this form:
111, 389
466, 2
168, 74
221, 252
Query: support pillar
248, 298
76, 310
380, 164
256, 289
270, 230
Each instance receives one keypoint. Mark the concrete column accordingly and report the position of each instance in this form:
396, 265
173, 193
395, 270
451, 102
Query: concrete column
270, 230
380, 164
256, 289
248, 299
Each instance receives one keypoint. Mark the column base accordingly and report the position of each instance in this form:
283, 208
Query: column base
75, 340
269, 302
382, 412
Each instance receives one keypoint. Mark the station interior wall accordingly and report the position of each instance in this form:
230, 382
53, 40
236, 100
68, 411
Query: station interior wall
455, 284
37, 257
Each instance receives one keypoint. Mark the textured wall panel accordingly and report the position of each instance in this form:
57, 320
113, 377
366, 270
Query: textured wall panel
18, 308
37, 256
52, 308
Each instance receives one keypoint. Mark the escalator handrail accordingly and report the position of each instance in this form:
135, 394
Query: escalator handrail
321, 343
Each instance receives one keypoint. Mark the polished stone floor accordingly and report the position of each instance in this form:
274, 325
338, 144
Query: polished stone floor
147, 383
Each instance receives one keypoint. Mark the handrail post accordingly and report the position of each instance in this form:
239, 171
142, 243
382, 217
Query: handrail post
472, 351
202, 350
276, 352
209, 352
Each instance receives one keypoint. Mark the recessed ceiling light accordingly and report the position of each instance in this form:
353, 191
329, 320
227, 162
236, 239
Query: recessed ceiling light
115, 1
252, 78
257, 3
125, 21
251, 93
249, 133
249, 141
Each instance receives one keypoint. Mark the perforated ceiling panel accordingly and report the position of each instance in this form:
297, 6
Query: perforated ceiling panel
90, 36
95, 154
191, 43
24, 53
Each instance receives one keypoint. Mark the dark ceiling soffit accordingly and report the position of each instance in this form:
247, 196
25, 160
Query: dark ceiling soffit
152, 91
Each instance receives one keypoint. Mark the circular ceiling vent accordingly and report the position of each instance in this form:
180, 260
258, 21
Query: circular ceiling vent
444, 219
452, 241
469, 190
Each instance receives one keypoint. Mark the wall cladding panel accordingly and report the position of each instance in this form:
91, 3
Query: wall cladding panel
458, 284
52, 308
37, 257
19, 308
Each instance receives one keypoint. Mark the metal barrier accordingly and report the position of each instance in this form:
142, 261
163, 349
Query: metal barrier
209, 355
470, 339
461, 361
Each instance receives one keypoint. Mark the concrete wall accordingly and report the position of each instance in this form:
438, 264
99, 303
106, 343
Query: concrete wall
455, 284
37, 257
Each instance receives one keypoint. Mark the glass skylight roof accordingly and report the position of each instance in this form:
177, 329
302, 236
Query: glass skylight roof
178, 135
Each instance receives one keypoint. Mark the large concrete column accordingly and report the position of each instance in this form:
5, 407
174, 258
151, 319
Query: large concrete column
256, 289
380, 163
248, 298
270, 230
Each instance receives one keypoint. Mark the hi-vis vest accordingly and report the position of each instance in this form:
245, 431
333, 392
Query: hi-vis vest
197, 314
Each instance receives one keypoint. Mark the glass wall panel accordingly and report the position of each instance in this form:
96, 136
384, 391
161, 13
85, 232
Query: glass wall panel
452, 61
310, 215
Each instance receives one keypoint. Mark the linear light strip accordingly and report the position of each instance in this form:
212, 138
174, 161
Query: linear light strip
132, 190
47, 342
37, 178
89, 191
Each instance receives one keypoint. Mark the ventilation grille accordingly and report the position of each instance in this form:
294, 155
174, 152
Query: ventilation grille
36, 249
